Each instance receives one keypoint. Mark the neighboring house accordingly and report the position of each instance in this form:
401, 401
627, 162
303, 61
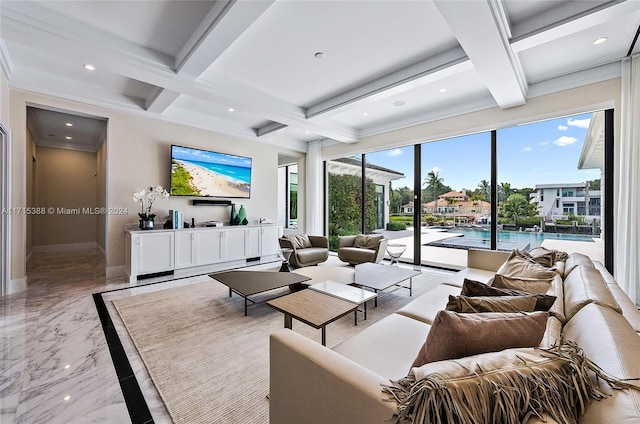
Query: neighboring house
408, 208
380, 176
557, 201
454, 203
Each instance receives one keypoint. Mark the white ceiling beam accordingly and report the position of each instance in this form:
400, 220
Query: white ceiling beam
437, 67
478, 26
224, 23
538, 31
160, 99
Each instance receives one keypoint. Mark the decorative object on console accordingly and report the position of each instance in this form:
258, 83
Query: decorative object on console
242, 215
234, 216
146, 197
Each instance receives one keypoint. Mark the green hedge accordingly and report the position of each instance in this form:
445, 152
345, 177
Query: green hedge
396, 226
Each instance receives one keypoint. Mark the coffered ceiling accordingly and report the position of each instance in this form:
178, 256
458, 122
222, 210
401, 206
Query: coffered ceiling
287, 72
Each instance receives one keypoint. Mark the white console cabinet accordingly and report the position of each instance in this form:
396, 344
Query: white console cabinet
198, 250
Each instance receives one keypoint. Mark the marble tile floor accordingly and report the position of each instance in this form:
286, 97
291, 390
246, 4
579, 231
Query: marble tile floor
56, 366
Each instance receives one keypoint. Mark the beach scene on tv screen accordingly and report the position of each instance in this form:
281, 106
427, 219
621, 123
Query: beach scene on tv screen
210, 174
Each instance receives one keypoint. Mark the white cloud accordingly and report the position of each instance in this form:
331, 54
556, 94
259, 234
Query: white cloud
394, 152
544, 143
565, 141
527, 148
562, 128
580, 123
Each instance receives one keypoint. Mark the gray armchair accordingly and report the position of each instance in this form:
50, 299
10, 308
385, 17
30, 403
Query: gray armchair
362, 248
307, 250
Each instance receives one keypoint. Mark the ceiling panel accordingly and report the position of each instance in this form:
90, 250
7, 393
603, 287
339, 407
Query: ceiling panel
426, 99
361, 41
576, 51
161, 25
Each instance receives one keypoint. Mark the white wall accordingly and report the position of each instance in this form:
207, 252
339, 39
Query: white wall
138, 155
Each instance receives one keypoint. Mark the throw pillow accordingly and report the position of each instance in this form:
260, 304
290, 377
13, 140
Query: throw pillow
472, 288
491, 304
367, 241
300, 241
525, 268
453, 335
530, 285
502, 387
543, 256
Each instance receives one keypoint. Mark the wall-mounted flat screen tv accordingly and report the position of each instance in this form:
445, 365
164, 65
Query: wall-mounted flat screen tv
204, 173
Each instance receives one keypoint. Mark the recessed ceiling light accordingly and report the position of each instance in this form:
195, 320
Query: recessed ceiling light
442, 90
399, 103
69, 124
365, 114
89, 67
319, 55
69, 137
600, 40
67, 397
231, 109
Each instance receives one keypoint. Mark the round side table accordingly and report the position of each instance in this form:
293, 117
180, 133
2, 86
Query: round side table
395, 251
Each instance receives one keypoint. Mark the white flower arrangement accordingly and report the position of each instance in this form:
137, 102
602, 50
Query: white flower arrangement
146, 197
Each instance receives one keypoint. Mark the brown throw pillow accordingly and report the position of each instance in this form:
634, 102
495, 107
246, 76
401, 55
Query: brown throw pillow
530, 285
543, 256
491, 304
367, 241
472, 288
299, 241
525, 268
455, 335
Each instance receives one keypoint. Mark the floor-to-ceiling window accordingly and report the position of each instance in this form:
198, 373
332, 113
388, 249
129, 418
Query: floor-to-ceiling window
536, 184
456, 198
549, 191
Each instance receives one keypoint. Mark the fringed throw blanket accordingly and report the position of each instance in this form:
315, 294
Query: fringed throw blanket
502, 387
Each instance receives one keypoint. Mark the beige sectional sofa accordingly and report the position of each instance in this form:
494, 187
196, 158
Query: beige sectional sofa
310, 383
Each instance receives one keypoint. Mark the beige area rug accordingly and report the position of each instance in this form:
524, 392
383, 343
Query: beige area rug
210, 363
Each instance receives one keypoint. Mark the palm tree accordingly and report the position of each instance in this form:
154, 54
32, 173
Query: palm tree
475, 199
505, 191
485, 187
433, 182
517, 205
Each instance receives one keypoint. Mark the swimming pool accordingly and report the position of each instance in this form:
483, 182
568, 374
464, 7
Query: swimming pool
507, 240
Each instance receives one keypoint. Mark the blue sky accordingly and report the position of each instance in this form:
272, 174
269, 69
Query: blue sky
538, 153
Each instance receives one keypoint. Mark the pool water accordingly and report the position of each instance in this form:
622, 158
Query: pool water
507, 240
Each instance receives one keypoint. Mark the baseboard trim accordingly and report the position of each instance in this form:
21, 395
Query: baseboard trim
64, 247
17, 285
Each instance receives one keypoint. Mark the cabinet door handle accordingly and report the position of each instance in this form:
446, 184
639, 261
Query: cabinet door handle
138, 240
193, 236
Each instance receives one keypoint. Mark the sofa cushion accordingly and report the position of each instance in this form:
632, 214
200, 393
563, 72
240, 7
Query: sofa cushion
531, 285
367, 241
574, 260
544, 302
299, 241
609, 341
585, 285
475, 304
552, 333
388, 347
455, 335
520, 267
312, 254
474, 274
426, 307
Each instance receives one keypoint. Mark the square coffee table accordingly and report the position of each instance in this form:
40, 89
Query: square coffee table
249, 283
346, 292
313, 308
379, 277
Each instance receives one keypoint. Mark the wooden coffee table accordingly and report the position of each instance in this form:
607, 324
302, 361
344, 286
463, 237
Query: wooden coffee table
249, 283
346, 292
379, 277
313, 308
